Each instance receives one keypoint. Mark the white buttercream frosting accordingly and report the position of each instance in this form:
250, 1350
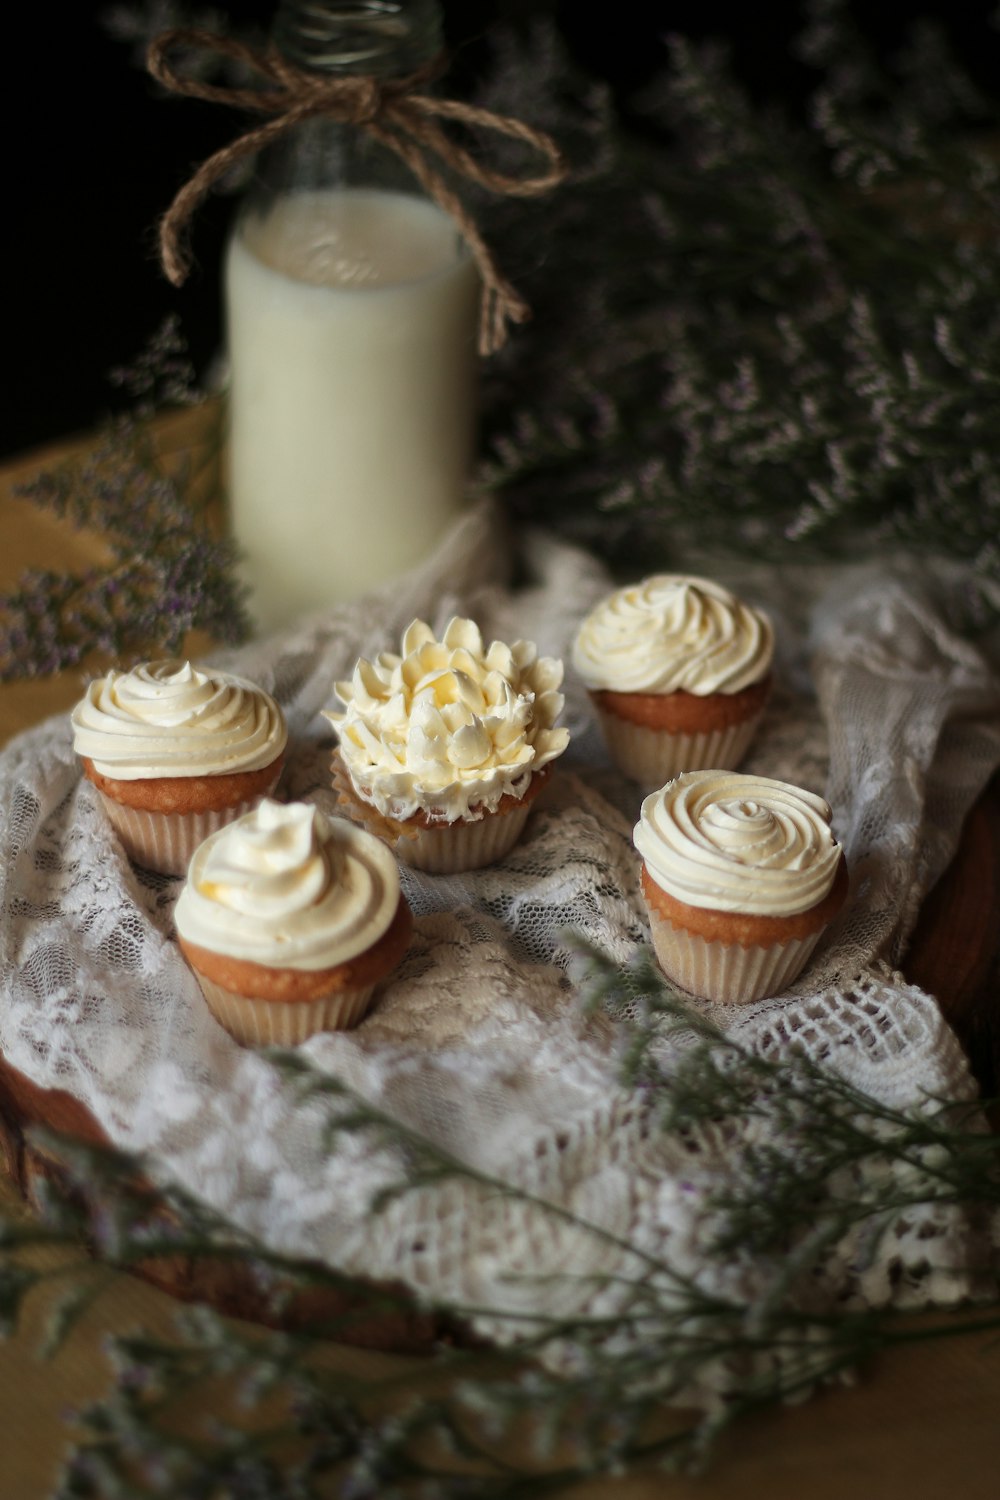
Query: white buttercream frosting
739, 843
448, 727
169, 718
287, 887
672, 632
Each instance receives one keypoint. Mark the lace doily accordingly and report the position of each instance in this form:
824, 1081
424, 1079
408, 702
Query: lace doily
477, 1041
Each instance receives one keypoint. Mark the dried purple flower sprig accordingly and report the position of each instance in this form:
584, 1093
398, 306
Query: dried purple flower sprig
772, 337
162, 374
778, 339
166, 572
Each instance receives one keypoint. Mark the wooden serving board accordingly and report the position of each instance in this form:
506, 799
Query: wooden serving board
955, 951
954, 956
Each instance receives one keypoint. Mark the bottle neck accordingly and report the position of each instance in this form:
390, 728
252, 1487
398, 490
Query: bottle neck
380, 38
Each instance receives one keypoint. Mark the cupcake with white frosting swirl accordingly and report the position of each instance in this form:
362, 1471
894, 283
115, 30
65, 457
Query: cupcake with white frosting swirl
176, 751
289, 920
679, 672
444, 746
741, 876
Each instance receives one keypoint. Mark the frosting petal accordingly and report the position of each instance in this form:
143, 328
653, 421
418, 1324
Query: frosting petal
449, 727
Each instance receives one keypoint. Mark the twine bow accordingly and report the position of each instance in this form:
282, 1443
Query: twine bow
393, 111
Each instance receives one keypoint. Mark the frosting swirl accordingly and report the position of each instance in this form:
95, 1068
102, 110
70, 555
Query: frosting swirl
672, 632
738, 843
169, 718
448, 727
287, 887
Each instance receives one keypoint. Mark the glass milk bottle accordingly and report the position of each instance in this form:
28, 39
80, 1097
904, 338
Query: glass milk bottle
352, 306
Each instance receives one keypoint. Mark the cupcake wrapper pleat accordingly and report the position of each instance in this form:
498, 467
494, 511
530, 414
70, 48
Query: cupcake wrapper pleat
653, 757
283, 1023
727, 972
452, 847
165, 842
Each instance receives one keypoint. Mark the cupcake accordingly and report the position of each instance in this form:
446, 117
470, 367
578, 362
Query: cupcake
444, 747
679, 671
741, 875
289, 920
176, 751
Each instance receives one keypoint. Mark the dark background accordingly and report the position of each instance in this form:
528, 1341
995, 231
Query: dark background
95, 153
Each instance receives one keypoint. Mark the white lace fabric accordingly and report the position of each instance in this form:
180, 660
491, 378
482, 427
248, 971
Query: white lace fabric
478, 1041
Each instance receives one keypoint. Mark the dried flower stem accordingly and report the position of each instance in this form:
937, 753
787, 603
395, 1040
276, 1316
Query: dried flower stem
798, 1136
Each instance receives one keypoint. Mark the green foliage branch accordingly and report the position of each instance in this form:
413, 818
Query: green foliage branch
575, 1393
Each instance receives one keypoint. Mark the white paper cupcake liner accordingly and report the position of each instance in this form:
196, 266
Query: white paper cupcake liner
655, 756
444, 848
283, 1023
452, 847
727, 972
165, 842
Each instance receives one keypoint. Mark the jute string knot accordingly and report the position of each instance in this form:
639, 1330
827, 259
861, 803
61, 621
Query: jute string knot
394, 111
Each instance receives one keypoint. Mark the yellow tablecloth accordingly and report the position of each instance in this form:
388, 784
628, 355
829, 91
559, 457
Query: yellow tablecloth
922, 1424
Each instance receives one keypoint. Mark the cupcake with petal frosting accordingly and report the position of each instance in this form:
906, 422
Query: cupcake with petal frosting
444, 747
741, 876
175, 752
679, 672
289, 920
